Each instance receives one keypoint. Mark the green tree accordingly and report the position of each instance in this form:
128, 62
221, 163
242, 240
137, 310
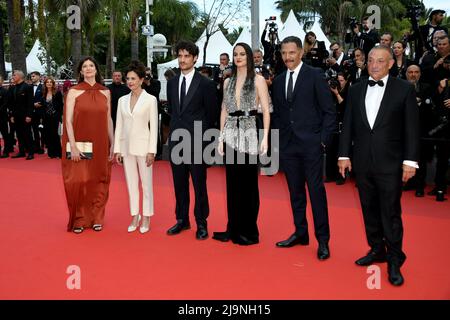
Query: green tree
16, 12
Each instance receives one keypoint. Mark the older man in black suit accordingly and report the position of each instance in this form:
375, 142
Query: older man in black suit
306, 117
193, 100
20, 101
382, 122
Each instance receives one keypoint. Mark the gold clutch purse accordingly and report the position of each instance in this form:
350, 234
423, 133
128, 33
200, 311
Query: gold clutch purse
85, 148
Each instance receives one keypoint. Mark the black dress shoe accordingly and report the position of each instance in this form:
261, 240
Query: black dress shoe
323, 252
434, 192
420, 193
19, 155
202, 233
244, 241
30, 157
178, 227
221, 236
292, 241
370, 258
440, 196
395, 276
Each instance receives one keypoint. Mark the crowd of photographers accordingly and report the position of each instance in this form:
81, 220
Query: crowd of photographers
422, 57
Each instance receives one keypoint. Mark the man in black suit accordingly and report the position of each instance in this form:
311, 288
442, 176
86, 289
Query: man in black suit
21, 103
366, 38
118, 90
382, 121
193, 100
305, 116
8, 141
38, 113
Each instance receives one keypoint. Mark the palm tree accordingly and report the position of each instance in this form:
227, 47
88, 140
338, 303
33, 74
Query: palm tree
2, 42
15, 23
87, 8
133, 14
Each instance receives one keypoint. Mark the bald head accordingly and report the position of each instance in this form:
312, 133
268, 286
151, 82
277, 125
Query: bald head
413, 73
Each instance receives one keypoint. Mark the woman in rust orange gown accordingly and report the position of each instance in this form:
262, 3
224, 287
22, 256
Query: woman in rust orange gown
87, 119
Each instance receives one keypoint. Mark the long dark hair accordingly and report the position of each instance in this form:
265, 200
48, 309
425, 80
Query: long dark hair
54, 89
98, 76
250, 62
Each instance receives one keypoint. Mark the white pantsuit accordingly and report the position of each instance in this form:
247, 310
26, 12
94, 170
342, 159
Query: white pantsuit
135, 137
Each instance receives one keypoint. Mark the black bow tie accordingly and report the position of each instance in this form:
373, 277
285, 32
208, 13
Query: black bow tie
373, 82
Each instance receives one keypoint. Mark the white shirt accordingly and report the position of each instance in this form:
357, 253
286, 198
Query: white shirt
294, 77
374, 96
188, 77
35, 86
339, 60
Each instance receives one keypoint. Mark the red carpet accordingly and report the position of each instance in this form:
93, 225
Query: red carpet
36, 249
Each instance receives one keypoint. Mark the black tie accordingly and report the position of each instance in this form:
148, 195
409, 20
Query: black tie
182, 92
290, 88
373, 82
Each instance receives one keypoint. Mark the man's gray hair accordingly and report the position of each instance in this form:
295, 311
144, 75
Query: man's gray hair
384, 48
19, 73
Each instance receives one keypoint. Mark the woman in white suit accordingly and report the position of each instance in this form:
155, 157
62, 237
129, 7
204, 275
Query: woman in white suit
135, 144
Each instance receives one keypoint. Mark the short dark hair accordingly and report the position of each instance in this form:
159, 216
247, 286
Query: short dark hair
435, 12
359, 49
189, 46
225, 54
98, 76
37, 73
136, 67
335, 42
389, 34
293, 39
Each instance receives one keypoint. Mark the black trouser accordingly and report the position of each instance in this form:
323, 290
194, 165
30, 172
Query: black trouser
303, 164
38, 134
331, 168
380, 202
442, 157
426, 155
52, 139
242, 195
7, 134
180, 173
23, 132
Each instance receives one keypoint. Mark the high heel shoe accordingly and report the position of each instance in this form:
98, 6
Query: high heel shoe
143, 229
131, 227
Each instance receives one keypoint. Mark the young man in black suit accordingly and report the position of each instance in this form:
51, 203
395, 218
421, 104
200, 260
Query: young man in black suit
382, 122
305, 116
38, 113
193, 100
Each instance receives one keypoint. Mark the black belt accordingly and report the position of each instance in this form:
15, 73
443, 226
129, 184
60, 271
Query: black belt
241, 113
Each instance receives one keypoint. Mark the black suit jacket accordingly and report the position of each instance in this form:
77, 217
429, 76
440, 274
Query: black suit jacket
311, 117
20, 100
200, 104
395, 133
37, 96
367, 41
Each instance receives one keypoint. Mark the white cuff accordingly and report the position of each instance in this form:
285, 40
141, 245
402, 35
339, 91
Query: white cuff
343, 158
410, 163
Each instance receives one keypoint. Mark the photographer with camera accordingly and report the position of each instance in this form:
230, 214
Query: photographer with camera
272, 53
222, 72
260, 68
424, 96
356, 66
365, 37
339, 86
437, 66
337, 57
153, 86
315, 52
